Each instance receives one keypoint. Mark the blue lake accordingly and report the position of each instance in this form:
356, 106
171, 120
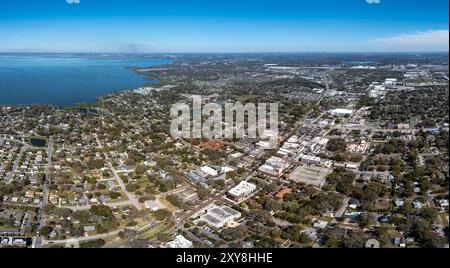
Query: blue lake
37, 142
68, 79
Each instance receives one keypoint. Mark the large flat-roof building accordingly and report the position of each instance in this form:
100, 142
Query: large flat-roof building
390, 82
210, 171
218, 217
198, 177
273, 167
310, 175
241, 191
309, 159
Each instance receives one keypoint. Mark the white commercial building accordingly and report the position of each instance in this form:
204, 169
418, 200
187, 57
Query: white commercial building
390, 82
241, 191
274, 166
218, 217
310, 159
209, 171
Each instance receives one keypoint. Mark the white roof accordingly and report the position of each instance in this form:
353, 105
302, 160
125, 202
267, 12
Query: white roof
228, 169
341, 111
399, 202
209, 171
154, 205
243, 188
320, 224
180, 242
443, 202
219, 216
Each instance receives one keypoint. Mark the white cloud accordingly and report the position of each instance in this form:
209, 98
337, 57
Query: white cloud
433, 40
373, 1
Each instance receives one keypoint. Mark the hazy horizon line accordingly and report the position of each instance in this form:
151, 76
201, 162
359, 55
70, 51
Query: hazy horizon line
228, 52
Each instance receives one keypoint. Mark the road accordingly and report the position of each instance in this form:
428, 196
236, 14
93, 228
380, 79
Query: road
41, 217
99, 236
10, 176
133, 200
193, 237
125, 203
173, 192
81, 239
344, 206
365, 128
180, 218
210, 235
86, 207
219, 196
438, 221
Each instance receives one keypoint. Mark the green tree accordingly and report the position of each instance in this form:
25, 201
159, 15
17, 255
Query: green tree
162, 214
45, 231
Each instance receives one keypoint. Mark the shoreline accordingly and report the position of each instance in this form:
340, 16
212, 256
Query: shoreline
143, 71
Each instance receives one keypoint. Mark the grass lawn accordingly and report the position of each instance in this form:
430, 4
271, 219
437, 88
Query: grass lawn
152, 233
169, 205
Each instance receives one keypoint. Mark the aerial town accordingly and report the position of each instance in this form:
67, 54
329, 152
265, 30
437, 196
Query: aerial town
360, 161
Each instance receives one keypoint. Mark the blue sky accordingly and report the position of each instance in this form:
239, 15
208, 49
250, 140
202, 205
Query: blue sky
224, 26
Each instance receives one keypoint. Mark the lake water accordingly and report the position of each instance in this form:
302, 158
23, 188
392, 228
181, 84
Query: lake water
67, 79
38, 142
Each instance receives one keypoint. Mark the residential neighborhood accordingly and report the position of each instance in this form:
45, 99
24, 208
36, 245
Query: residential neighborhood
357, 161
